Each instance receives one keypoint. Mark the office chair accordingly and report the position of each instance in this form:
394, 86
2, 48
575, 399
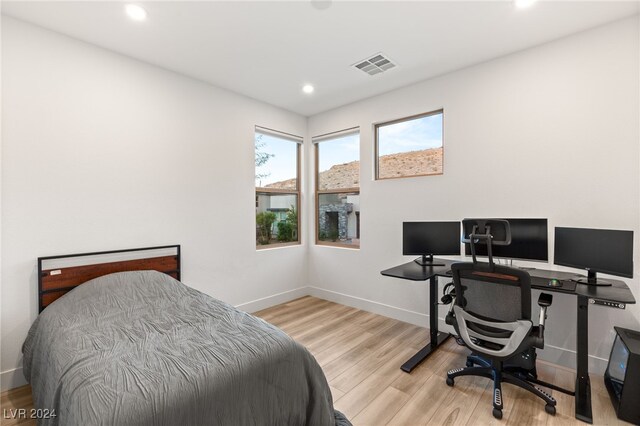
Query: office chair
492, 315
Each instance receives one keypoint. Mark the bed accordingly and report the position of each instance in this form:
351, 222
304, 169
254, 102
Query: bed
135, 346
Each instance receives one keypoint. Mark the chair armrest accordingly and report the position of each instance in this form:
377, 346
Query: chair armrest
544, 301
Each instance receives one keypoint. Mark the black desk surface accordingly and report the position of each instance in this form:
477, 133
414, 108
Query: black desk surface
414, 272
618, 292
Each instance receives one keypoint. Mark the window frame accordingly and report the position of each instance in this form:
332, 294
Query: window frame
376, 147
319, 192
279, 191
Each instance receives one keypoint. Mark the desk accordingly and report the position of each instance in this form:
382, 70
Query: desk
619, 292
414, 272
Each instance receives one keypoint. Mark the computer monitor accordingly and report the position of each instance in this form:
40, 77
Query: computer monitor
596, 250
529, 241
428, 238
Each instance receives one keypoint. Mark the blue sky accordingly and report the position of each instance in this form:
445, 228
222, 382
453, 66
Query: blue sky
413, 135
339, 151
282, 165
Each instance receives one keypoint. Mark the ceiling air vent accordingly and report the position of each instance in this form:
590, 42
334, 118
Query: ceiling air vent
375, 65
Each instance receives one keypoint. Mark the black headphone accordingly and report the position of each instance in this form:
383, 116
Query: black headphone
449, 292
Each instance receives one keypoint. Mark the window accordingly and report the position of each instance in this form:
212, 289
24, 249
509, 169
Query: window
277, 188
410, 146
338, 189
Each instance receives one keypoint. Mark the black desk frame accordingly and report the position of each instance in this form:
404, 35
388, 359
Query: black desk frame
618, 292
437, 337
583, 382
415, 272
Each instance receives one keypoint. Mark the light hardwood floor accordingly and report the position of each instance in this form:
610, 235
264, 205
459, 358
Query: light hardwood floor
361, 354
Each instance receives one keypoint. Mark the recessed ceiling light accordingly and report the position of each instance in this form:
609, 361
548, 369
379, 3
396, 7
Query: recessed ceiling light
307, 88
135, 12
321, 4
523, 4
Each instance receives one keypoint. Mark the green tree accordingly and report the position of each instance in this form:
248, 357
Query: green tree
288, 228
292, 220
264, 222
261, 157
285, 231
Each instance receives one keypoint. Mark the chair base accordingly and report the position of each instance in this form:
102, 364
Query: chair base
527, 374
496, 373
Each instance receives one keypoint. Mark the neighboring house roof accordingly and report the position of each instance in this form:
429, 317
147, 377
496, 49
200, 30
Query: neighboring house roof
347, 175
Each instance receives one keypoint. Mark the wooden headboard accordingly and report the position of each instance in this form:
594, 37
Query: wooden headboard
55, 282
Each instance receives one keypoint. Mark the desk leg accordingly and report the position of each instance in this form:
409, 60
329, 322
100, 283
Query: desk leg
583, 383
436, 337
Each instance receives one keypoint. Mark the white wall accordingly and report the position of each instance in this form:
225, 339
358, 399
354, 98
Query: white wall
548, 132
104, 152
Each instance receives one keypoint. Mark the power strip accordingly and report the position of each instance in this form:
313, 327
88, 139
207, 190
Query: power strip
607, 303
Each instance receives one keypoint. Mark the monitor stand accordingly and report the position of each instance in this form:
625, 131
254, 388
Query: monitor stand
592, 280
427, 260
509, 262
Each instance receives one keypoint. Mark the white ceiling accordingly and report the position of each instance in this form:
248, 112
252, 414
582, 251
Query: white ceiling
269, 50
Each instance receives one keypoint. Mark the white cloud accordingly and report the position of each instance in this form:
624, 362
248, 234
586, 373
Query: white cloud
413, 135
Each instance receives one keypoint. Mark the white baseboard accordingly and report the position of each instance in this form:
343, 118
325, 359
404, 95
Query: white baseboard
276, 299
552, 354
12, 379
567, 358
400, 314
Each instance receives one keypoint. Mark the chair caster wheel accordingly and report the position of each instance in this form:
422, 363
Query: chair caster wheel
497, 413
550, 409
449, 381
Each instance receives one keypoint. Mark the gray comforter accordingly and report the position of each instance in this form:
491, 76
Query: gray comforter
140, 348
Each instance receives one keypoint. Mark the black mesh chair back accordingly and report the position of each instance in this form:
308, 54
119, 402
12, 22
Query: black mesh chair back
503, 294
497, 295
